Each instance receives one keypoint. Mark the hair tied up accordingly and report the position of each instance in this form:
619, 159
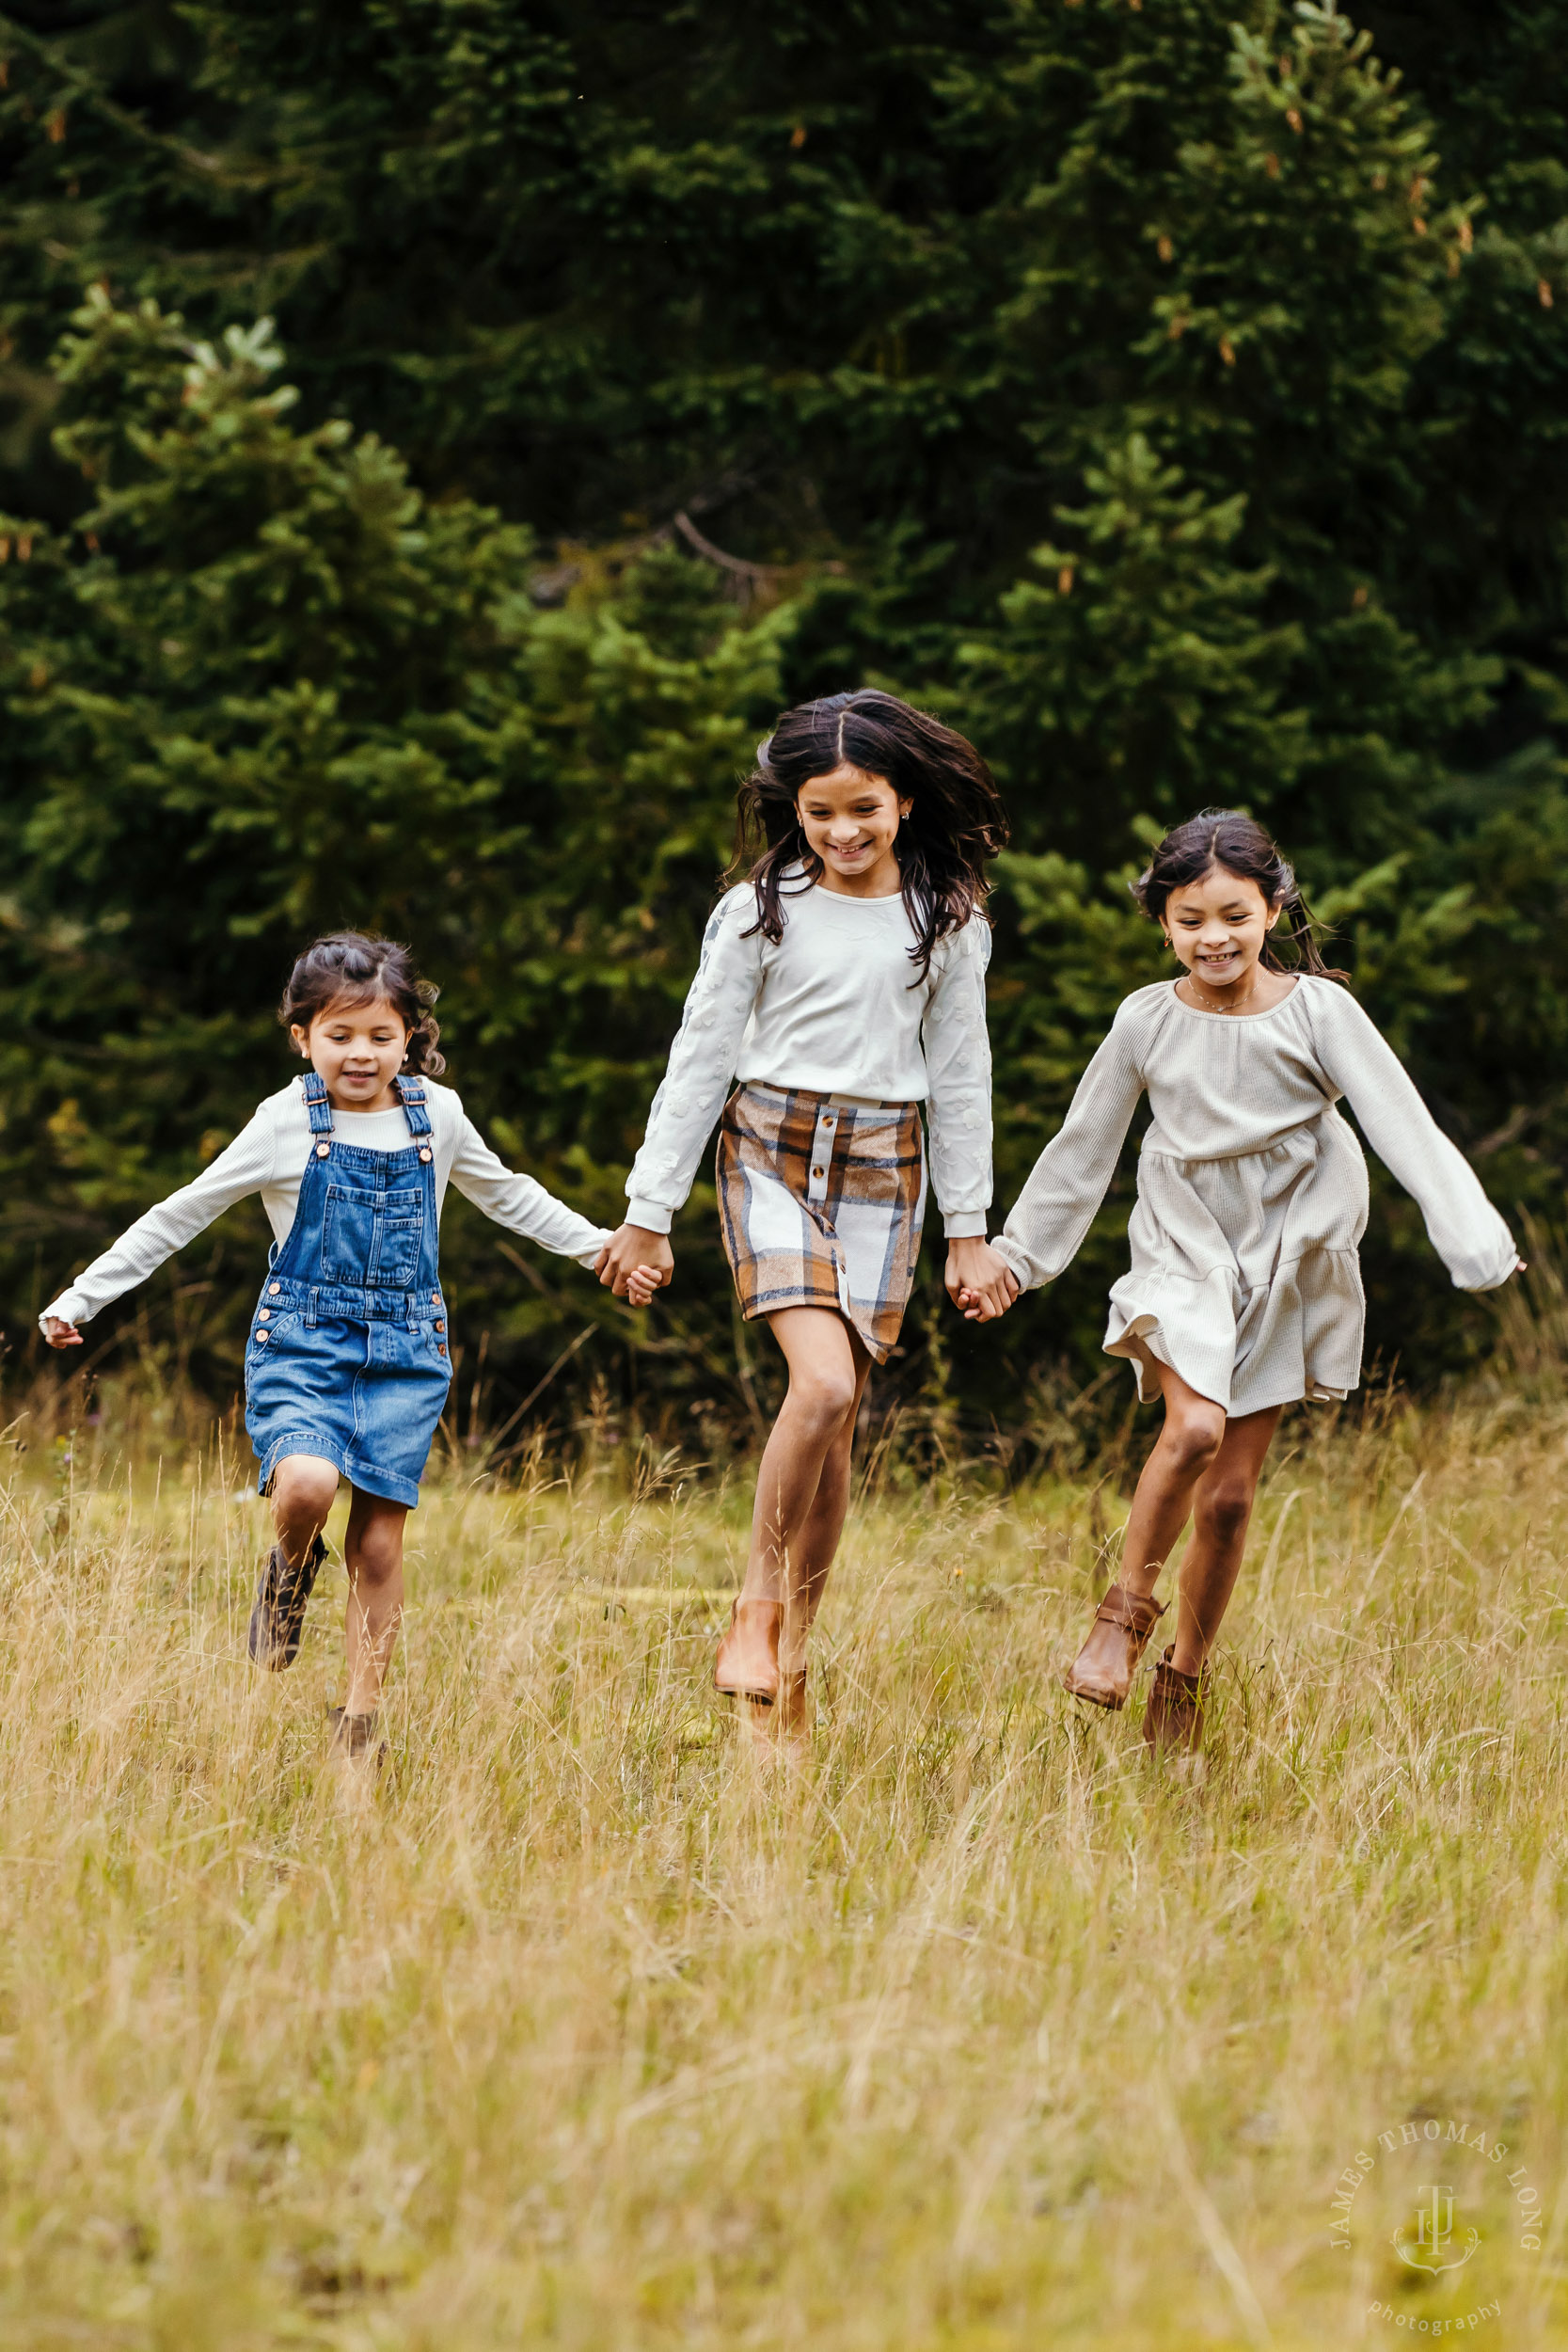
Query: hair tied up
354, 968
1227, 838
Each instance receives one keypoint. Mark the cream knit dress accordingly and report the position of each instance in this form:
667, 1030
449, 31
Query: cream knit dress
1252, 1190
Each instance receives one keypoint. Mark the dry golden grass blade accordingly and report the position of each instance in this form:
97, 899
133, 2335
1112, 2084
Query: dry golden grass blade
592, 2024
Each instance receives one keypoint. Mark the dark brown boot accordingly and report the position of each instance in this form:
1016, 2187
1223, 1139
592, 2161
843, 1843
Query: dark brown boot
1173, 1720
352, 1739
277, 1618
1105, 1681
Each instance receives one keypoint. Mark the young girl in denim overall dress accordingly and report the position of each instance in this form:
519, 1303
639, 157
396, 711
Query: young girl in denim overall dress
348, 1362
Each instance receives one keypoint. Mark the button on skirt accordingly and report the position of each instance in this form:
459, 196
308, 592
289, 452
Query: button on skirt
822, 1203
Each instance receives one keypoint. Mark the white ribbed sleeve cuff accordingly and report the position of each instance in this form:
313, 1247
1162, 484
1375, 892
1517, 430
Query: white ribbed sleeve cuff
652, 1215
964, 1224
70, 1306
1016, 1261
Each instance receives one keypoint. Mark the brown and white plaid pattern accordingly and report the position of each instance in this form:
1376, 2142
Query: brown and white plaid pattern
821, 1202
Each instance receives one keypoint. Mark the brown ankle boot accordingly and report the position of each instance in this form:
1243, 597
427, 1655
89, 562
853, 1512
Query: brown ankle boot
1173, 1720
1137, 1614
350, 1739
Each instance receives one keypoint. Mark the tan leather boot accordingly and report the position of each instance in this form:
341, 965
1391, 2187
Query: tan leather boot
1173, 1720
1107, 1683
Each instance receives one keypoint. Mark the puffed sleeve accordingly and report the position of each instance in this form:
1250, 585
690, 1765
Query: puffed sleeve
1073, 1173
958, 1074
1462, 1225
702, 1063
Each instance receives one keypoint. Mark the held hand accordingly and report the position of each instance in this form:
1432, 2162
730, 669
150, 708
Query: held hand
978, 1281
634, 1264
61, 1334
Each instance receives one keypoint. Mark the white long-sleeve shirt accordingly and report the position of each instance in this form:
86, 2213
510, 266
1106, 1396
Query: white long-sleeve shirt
838, 1006
1223, 1086
268, 1157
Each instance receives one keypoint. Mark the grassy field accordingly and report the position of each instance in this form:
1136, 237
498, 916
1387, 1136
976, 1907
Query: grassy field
589, 2027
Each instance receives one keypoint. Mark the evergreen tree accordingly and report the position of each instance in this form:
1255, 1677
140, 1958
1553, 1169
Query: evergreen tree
1175, 397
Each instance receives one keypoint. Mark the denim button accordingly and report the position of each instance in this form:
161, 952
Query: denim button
261, 1335
321, 1151
275, 1288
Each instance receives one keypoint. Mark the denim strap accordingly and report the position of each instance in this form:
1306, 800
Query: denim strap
317, 1103
412, 1093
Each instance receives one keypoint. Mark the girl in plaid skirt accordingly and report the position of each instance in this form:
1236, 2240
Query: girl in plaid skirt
843, 985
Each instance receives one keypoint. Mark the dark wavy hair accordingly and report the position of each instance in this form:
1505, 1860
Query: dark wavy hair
1225, 837
354, 968
957, 820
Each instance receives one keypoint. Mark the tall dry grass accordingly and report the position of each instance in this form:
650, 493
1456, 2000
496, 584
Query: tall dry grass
589, 2028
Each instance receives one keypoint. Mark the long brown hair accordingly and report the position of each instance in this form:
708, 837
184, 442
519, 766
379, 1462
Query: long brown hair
957, 820
1225, 837
354, 968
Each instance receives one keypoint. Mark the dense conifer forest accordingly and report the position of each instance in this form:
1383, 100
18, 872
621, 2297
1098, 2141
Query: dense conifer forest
436, 438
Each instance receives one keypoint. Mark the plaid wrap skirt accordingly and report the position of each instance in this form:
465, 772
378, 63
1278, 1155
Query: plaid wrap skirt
821, 1202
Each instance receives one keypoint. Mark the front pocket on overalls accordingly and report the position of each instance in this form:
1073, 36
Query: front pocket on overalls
370, 1240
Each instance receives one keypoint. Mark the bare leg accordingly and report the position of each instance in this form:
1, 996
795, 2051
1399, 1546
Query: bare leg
1203, 1464
1222, 1512
816, 1546
372, 1553
1189, 1443
802, 1492
303, 1489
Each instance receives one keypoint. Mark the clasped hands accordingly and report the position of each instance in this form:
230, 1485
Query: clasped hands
978, 1281
634, 1262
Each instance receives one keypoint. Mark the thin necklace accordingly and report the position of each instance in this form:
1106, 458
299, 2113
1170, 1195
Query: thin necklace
1234, 1007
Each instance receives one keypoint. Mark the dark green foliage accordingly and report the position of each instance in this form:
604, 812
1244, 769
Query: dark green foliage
1175, 401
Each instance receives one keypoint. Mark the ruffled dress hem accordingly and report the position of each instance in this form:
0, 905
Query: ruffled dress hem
1129, 1336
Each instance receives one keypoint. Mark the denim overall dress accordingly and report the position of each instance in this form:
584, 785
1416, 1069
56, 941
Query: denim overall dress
348, 1356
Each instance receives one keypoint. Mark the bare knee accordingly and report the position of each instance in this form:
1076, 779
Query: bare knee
1191, 1440
824, 1398
303, 1489
836, 1462
374, 1549
373, 1570
1223, 1512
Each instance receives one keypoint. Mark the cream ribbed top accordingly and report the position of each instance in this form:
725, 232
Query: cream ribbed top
836, 1008
268, 1157
1225, 1087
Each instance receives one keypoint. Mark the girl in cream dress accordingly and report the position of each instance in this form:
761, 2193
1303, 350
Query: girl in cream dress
1244, 1294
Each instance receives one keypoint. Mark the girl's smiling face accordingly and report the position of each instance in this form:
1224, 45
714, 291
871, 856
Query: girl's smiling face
851, 820
358, 1049
1218, 926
